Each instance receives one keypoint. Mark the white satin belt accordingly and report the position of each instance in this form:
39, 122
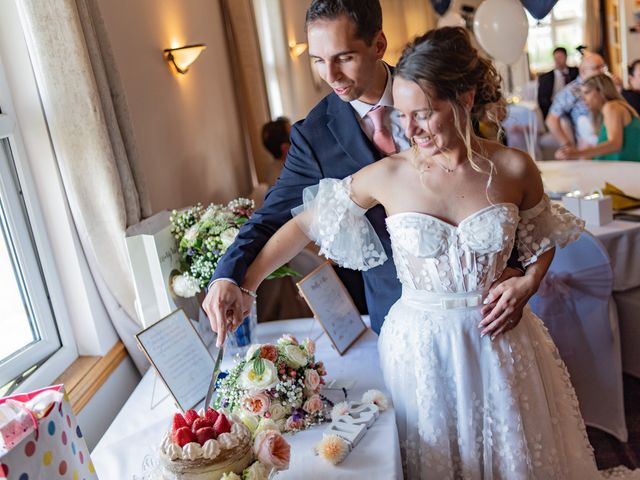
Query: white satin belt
441, 301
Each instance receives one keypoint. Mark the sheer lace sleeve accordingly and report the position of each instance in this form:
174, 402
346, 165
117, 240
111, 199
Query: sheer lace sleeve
544, 226
338, 225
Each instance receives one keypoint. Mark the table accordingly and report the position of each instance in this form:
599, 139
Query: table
620, 238
129, 448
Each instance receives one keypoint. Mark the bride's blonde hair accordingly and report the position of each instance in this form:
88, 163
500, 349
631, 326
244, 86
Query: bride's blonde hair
444, 63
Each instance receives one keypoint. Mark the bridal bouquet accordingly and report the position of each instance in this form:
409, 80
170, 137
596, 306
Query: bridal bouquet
203, 235
275, 385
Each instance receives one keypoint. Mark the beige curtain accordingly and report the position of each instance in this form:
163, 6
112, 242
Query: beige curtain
403, 20
593, 25
251, 92
92, 138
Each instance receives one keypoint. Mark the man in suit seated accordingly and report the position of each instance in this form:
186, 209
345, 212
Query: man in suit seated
632, 96
555, 80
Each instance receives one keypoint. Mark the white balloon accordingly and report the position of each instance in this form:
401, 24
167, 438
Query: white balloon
501, 28
451, 19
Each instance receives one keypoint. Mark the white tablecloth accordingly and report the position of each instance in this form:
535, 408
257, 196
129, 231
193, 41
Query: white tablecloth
129, 448
620, 238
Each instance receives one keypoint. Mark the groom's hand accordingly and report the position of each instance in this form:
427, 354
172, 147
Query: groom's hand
224, 306
505, 302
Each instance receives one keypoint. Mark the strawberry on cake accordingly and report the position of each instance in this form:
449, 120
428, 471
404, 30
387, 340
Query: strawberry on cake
205, 446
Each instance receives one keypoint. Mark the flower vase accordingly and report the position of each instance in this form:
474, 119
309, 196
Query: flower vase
245, 334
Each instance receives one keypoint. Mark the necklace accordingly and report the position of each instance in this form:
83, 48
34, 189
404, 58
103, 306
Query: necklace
449, 169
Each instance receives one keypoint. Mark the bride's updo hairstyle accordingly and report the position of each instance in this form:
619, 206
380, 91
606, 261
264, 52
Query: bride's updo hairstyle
444, 63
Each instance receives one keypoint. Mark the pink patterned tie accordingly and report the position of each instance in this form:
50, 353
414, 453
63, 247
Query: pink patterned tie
382, 138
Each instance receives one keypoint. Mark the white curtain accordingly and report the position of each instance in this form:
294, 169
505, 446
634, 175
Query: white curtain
93, 142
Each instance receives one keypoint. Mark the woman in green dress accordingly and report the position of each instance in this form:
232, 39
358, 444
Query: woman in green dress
617, 122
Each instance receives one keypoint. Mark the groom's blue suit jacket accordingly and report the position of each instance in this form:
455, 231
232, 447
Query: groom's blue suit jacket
329, 143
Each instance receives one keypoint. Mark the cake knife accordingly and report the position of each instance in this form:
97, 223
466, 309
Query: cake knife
214, 377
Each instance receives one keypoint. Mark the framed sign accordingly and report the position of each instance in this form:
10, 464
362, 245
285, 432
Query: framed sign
332, 305
181, 359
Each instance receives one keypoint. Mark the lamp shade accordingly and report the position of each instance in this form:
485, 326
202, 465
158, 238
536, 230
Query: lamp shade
183, 57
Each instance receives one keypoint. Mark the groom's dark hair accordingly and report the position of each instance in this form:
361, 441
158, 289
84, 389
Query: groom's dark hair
365, 14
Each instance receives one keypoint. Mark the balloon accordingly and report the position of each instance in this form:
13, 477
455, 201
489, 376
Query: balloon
501, 28
451, 19
539, 8
440, 6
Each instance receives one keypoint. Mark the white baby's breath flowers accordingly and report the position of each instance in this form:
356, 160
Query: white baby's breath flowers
185, 286
376, 397
339, 410
333, 449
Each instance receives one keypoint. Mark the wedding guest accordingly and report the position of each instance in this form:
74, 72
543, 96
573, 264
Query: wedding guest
550, 83
568, 104
617, 122
467, 405
276, 139
632, 95
350, 128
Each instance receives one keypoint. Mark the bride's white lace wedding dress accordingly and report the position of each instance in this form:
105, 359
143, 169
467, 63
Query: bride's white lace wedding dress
467, 407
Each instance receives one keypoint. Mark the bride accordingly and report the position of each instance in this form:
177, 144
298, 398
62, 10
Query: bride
468, 405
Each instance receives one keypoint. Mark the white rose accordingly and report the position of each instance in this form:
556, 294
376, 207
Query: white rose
230, 476
191, 234
277, 411
185, 286
252, 381
256, 471
250, 421
266, 424
227, 237
295, 356
252, 349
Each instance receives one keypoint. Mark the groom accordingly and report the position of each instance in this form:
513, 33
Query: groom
347, 130
341, 135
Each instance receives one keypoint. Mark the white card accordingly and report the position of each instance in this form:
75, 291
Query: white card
332, 306
180, 357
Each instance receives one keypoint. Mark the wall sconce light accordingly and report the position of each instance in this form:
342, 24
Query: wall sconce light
297, 49
183, 57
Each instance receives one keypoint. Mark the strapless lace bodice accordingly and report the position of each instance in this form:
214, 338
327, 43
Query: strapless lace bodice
429, 253
433, 255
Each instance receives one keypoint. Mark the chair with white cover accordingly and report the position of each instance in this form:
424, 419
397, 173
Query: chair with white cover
628, 303
575, 303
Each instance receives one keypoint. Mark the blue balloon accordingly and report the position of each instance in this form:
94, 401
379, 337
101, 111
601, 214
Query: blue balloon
440, 6
539, 8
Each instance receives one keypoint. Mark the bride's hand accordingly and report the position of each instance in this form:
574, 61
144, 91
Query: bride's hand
505, 302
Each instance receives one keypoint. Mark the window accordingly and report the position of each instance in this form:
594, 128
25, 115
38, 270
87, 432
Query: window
28, 328
563, 27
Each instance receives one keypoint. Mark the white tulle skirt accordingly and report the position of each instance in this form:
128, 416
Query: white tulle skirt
469, 407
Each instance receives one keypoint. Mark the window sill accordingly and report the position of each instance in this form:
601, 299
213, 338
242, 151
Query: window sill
87, 374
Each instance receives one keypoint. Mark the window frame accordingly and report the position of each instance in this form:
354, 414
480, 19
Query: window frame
553, 24
57, 348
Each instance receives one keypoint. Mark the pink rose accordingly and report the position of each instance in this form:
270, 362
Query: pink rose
272, 449
294, 424
310, 345
269, 352
288, 339
313, 405
311, 380
257, 404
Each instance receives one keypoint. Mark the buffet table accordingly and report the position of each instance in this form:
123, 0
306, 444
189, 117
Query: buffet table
620, 238
129, 448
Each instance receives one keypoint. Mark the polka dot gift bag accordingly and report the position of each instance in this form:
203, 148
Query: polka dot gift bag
40, 438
